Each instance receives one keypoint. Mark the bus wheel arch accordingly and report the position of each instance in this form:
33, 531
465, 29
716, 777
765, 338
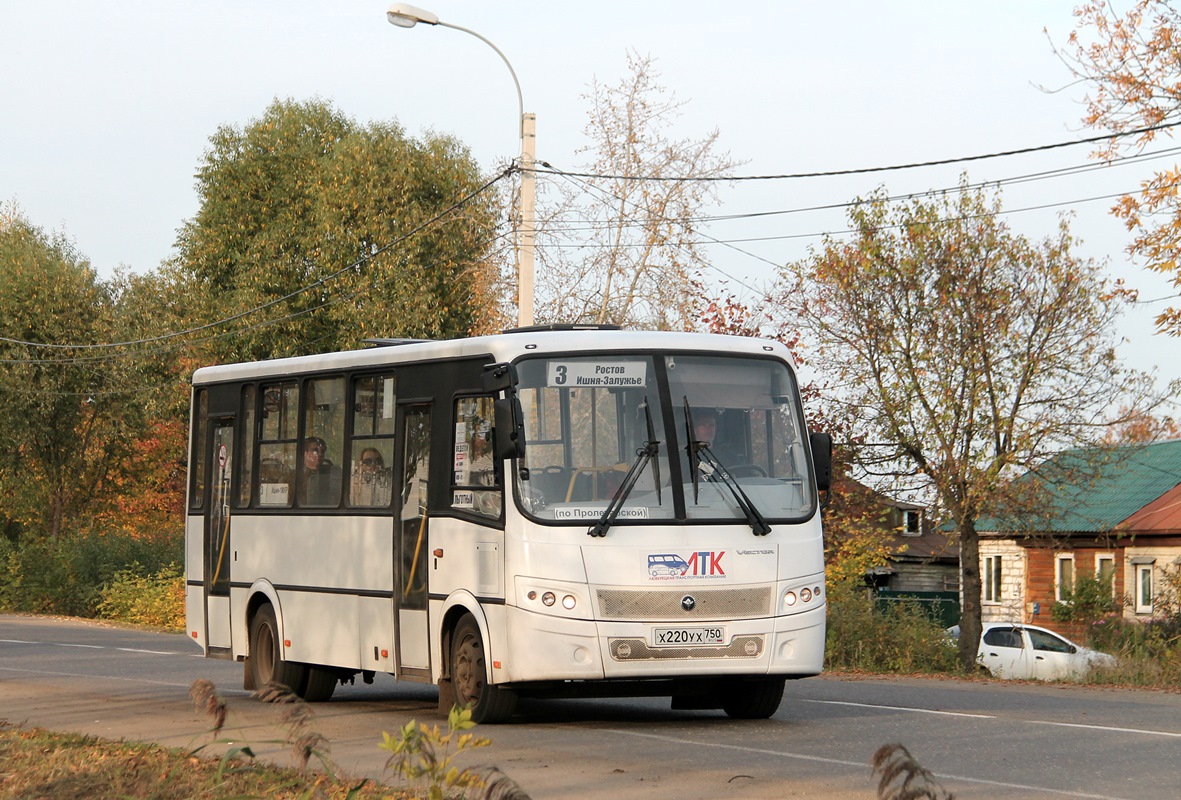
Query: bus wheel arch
468, 672
455, 609
265, 666
260, 594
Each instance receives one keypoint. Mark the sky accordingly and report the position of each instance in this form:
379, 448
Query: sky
107, 108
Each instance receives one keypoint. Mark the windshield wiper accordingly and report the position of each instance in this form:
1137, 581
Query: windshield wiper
693, 448
702, 459
647, 453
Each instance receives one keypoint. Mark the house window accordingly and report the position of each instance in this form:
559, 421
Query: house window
992, 579
1144, 588
912, 522
1064, 578
1105, 570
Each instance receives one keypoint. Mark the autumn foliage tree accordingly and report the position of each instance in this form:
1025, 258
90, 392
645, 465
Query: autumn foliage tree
1132, 64
67, 414
967, 353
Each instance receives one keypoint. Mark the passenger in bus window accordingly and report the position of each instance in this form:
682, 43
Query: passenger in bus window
321, 478
372, 482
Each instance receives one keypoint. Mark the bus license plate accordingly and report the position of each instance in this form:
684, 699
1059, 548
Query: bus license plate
681, 637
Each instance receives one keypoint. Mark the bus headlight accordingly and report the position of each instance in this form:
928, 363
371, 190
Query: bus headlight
549, 598
568, 602
789, 599
805, 594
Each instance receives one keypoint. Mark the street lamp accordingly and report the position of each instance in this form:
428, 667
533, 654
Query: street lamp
407, 16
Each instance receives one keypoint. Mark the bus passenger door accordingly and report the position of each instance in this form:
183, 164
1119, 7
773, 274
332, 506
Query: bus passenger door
412, 549
219, 465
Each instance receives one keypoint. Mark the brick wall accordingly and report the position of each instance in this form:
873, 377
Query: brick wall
1011, 607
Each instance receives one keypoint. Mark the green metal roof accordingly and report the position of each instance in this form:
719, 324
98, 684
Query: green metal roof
1093, 491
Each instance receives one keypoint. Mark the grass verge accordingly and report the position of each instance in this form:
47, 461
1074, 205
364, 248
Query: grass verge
35, 763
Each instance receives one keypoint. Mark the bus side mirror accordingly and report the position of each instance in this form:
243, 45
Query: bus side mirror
508, 418
499, 378
510, 429
821, 444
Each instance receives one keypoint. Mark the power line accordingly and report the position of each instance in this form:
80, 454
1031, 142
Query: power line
168, 348
791, 236
861, 170
313, 285
1000, 182
711, 239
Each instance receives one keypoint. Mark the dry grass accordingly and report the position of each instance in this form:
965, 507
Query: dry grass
63, 766
901, 777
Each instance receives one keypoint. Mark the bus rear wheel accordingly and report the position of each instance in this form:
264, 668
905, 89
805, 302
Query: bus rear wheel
266, 664
753, 699
321, 683
488, 703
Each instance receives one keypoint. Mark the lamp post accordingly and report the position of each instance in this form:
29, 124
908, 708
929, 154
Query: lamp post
407, 16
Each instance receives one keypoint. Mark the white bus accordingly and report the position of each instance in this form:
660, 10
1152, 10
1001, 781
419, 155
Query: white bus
544, 512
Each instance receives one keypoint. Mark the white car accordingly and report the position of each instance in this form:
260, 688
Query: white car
1012, 650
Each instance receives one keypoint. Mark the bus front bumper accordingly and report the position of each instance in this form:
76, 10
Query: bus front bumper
552, 648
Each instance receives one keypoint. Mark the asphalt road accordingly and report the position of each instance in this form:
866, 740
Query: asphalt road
982, 739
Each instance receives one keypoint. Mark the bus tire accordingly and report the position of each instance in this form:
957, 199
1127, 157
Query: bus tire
321, 683
266, 664
753, 699
488, 703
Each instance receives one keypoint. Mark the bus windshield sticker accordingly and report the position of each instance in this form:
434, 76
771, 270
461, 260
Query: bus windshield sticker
570, 513
463, 499
460, 465
597, 374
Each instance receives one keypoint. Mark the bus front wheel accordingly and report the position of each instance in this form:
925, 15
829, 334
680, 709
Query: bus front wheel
489, 703
753, 699
266, 663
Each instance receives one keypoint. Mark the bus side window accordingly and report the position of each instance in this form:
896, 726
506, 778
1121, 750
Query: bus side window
371, 460
324, 402
277, 444
197, 456
476, 484
246, 448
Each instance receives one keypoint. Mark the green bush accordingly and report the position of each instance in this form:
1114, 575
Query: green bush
1089, 600
67, 576
897, 638
155, 600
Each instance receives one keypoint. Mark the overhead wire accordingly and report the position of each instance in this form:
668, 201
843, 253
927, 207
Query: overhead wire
713, 240
999, 182
275, 301
870, 170
817, 234
174, 341
88, 360
578, 179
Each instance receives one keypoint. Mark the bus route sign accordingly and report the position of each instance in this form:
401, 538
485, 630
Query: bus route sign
597, 374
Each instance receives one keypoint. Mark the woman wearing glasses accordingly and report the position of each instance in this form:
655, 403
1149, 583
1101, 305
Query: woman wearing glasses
371, 483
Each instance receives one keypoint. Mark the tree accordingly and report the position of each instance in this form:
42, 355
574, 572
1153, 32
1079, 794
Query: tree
335, 232
967, 353
1133, 65
149, 308
630, 223
66, 415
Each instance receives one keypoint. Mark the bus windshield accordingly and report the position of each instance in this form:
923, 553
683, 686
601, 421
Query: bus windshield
731, 440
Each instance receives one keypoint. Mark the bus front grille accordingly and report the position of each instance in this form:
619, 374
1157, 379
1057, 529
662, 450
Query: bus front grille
628, 649
665, 604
